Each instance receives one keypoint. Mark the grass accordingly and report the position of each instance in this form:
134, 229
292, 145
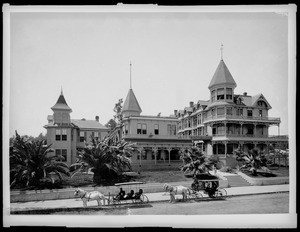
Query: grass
86, 180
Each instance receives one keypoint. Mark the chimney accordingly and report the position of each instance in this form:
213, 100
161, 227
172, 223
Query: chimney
191, 104
175, 112
97, 118
245, 93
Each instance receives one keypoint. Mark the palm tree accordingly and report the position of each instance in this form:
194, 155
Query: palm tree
107, 161
31, 164
197, 163
252, 160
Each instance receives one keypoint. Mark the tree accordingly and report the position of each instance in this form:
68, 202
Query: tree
196, 162
107, 161
111, 124
252, 160
31, 164
118, 110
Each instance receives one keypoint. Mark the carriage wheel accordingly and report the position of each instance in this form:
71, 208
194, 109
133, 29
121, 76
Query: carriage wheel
221, 193
198, 195
114, 202
144, 198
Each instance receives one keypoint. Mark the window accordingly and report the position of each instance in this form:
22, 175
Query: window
213, 112
144, 155
195, 121
64, 134
229, 111
96, 135
144, 129
171, 129
126, 129
156, 130
229, 93
261, 103
81, 136
139, 128
220, 111
220, 94
213, 95
64, 155
57, 135
57, 152
239, 112
249, 113
260, 113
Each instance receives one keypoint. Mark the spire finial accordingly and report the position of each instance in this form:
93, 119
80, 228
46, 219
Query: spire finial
61, 90
222, 51
130, 76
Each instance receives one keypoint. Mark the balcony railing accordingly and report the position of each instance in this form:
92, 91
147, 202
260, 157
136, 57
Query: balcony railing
251, 118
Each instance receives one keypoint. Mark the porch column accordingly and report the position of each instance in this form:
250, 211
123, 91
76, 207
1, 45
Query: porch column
155, 154
225, 143
225, 125
140, 151
254, 131
278, 129
169, 150
241, 131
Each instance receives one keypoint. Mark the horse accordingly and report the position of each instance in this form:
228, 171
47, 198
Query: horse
89, 196
174, 190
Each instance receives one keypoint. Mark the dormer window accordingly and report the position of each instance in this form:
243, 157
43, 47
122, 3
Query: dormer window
220, 94
261, 103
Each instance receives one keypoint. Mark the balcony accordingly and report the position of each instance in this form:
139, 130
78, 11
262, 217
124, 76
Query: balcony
242, 118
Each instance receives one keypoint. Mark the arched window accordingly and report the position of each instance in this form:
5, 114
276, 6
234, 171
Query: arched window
261, 103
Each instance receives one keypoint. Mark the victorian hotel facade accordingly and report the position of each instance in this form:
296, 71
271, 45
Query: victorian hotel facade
219, 125
228, 120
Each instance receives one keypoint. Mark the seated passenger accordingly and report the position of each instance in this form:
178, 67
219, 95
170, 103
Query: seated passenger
120, 195
129, 195
138, 195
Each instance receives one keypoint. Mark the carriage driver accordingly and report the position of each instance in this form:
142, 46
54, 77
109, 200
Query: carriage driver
120, 195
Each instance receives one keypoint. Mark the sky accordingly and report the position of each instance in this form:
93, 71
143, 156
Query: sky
173, 54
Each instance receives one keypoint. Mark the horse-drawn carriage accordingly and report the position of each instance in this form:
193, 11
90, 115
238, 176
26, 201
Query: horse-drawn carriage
203, 185
209, 186
133, 193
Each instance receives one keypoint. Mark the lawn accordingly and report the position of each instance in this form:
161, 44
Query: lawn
276, 172
83, 179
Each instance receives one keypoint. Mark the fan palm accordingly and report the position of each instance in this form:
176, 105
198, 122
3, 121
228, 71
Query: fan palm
105, 160
253, 160
196, 162
31, 164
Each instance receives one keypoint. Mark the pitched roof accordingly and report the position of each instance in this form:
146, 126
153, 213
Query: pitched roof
222, 76
131, 103
87, 124
61, 104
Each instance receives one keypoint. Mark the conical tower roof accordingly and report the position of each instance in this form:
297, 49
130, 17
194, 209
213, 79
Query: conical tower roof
222, 76
131, 104
61, 104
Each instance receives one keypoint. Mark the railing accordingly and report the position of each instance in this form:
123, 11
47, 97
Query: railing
153, 136
209, 118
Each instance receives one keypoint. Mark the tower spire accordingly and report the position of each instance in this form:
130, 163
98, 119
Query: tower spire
61, 90
130, 76
222, 51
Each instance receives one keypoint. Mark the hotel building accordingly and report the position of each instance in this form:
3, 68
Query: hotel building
228, 120
67, 135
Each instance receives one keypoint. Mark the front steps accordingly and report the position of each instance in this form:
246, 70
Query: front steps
237, 181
